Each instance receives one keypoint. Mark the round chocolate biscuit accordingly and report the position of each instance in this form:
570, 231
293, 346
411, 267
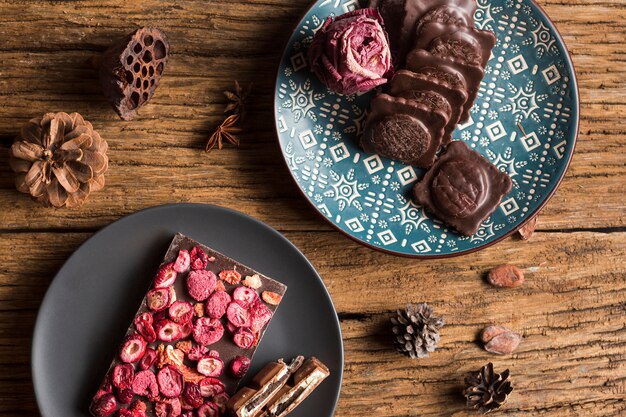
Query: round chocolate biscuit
434, 101
458, 188
401, 136
449, 15
459, 45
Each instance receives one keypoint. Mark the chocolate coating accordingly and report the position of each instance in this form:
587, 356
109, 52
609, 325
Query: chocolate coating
449, 15
462, 188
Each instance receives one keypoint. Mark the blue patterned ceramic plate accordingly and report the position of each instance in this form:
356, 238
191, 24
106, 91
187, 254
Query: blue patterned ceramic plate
525, 121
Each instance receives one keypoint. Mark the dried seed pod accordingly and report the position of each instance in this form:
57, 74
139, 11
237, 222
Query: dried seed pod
131, 70
500, 340
508, 276
527, 230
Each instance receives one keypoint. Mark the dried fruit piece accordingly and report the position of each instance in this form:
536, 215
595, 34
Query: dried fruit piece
182, 262
125, 396
213, 353
245, 296
239, 366
168, 331
207, 331
145, 384
198, 309
260, 315
104, 406
197, 352
143, 324
168, 407
133, 348
199, 258
221, 400
184, 345
252, 281
231, 276
271, 298
158, 299
244, 339
528, 229
508, 276
237, 314
201, 284
181, 312
131, 70
220, 286
209, 409
210, 387
192, 395
210, 366
500, 340
187, 329
148, 359
166, 277
122, 376
217, 304
170, 381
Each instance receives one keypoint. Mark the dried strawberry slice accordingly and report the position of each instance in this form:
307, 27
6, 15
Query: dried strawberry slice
245, 296
125, 396
182, 262
192, 395
122, 376
209, 409
237, 314
210, 387
145, 384
210, 366
143, 324
221, 400
158, 299
181, 312
148, 359
217, 304
166, 277
260, 315
199, 258
244, 339
239, 366
170, 381
133, 348
104, 406
168, 331
231, 276
207, 331
200, 284
197, 352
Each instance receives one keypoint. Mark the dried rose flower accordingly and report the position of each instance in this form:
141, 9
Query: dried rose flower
351, 53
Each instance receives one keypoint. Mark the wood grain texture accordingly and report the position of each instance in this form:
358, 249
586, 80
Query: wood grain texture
571, 310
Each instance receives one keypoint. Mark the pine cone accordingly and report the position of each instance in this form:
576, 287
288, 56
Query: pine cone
485, 390
59, 159
416, 330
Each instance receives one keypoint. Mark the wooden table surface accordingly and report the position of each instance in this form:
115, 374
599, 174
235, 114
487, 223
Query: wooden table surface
571, 310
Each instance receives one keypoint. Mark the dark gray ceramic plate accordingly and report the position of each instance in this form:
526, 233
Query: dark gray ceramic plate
93, 298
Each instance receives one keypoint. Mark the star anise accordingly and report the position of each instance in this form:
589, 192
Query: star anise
237, 99
224, 132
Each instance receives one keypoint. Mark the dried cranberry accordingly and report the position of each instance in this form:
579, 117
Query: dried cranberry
201, 284
170, 381
209, 409
139, 406
187, 329
199, 258
168, 408
210, 387
125, 396
232, 328
210, 366
197, 352
188, 414
158, 299
100, 393
221, 400
213, 354
133, 348
239, 366
181, 312
122, 376
231, 276
104, 406
166, 277
161, 409
143, 324
172, 299
238, 314
207, 331
260, 315
168, 331
145, 384
124, 412
192, 395
217, 304
244, 339
148, 359
245, 296
182, 261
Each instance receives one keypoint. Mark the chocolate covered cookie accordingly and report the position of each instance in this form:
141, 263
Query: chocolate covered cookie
407, 130
462, 188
